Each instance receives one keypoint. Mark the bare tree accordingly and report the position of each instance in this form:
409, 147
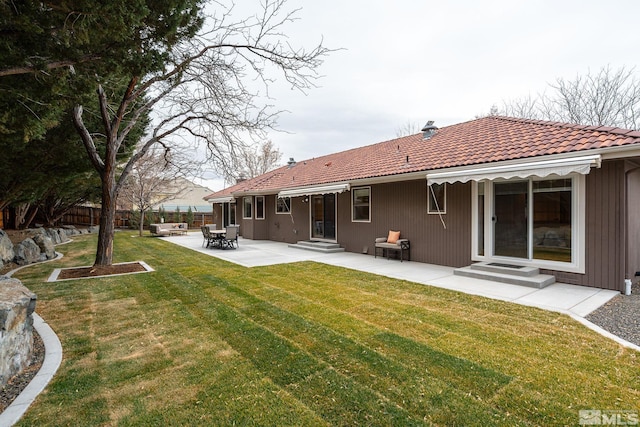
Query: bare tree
207, 93
609, 98
407, 128
605, 98
253, 160
151, 182
528, 107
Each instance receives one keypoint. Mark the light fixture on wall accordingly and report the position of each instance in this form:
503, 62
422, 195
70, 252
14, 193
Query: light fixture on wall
305, 199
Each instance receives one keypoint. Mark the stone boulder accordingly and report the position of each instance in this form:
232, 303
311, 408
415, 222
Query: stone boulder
45, 244
17, 304
26, 252
6, 249
54, 235
70, 230
57, 235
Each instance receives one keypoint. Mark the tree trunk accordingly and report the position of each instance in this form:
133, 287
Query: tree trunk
32, 214
141, 226
21, 211
104, 252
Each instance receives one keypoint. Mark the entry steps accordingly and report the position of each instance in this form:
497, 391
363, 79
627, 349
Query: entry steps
317, 246
506, 273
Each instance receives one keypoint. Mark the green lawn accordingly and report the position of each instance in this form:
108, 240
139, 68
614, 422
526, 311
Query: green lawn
205, 342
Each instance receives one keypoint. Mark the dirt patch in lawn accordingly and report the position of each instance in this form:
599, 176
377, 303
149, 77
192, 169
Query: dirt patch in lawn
95, 271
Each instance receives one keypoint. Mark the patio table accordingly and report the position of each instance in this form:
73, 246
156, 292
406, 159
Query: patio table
217, 237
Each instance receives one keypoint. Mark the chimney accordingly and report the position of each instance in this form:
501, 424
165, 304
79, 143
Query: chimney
429, 130
291, 163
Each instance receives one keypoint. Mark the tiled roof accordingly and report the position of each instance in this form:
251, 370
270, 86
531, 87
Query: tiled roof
485, 140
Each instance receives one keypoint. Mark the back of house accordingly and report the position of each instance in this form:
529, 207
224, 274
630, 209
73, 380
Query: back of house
557, 197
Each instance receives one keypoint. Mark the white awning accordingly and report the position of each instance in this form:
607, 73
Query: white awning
541, 169
225, 199
319, 189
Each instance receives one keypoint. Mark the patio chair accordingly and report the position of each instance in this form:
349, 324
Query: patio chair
206, 235
231, 237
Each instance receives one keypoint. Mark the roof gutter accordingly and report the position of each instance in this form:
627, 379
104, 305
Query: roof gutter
223, 199
625, 151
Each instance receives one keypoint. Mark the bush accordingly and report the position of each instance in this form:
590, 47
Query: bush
189, 217
134, 221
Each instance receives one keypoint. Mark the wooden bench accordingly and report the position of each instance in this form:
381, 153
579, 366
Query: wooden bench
402, 246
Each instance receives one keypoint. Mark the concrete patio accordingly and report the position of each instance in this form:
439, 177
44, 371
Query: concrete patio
577, 301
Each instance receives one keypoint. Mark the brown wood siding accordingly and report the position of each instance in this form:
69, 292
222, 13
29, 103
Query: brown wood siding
288, 228
217, 215
261, 226
246, 226
604, 235
633, 221
403, 206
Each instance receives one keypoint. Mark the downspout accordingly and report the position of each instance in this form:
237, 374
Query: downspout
627, 262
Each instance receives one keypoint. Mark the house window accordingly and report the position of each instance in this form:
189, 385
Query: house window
283, 205
259, 207
247, 207
361, 204
437, 198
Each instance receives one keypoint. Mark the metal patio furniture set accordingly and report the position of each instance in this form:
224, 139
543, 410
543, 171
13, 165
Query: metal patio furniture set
226, 238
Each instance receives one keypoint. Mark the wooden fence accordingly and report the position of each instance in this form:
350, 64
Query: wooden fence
88, 216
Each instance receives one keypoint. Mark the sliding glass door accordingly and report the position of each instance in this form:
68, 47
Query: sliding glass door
510, 219
530, 219
228, 214
323, 216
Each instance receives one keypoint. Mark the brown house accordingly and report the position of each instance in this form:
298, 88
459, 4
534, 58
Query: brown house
560, 197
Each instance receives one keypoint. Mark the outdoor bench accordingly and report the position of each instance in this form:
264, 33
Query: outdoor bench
400, 245
169, 228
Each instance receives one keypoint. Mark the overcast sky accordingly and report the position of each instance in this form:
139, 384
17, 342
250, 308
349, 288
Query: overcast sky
409, 61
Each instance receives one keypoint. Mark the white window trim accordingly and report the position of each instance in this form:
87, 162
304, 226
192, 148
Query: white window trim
244, 210
353, 204
276, 207
578, 234
256, 208
442, 211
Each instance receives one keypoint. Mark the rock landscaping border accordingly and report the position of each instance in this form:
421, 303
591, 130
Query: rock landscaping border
38, 245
